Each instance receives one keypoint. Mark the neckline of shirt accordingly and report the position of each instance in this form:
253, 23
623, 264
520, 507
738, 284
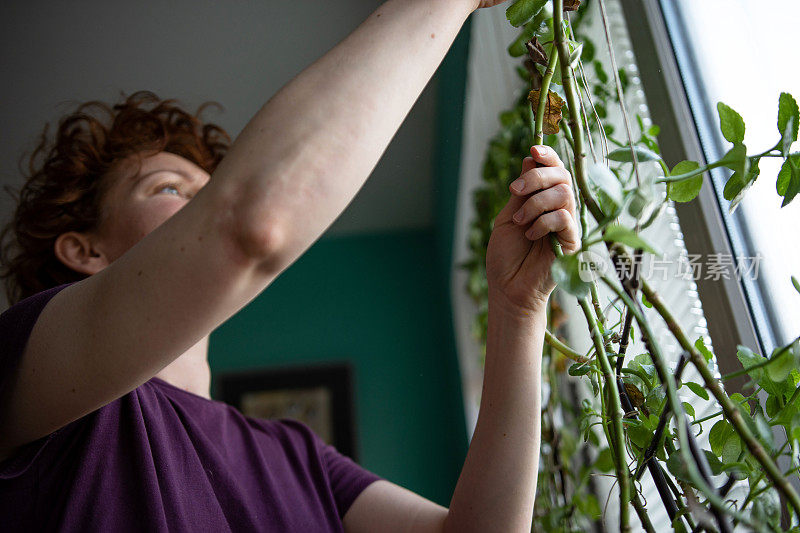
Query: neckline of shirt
157, 379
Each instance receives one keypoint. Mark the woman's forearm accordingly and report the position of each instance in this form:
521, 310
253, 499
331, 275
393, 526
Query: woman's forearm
496, 489
306, 153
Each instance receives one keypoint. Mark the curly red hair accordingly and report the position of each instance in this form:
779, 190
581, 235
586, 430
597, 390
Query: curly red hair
65, 184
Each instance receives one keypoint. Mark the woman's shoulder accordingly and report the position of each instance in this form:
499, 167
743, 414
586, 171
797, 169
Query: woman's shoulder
26, 311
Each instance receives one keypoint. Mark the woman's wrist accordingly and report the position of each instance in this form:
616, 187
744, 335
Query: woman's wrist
501, 306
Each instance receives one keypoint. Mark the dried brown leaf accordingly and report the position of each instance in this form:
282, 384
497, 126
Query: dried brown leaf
536, 52
552, 111
634, 395
572, 5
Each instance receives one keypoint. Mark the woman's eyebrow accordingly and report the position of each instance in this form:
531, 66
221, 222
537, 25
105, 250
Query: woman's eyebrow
141, 177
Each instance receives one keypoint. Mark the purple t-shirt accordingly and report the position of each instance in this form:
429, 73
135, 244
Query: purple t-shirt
164, 459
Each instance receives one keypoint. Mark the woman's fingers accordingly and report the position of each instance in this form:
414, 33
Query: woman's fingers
544, 155
560, 222
556, 197
539, 178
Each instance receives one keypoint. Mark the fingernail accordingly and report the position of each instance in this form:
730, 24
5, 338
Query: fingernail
518, 185
540, 150
518, 216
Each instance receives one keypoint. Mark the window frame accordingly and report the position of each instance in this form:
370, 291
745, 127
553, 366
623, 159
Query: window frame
734, 310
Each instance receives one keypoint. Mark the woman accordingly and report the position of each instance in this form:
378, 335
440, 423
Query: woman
132, 254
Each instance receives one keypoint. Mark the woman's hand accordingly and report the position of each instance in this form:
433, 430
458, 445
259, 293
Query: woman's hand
519, 255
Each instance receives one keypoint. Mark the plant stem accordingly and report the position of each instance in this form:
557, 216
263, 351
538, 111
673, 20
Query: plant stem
705, 471
598, 310
760, 364
624, 339
691, 174
553, 341
666, 412
574, 109
659, 478
591, 204
731, 411
642, 513
544, 91
617, 439
615, 409
709, 417
677, 407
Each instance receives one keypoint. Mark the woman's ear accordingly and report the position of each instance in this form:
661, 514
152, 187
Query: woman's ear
78, 252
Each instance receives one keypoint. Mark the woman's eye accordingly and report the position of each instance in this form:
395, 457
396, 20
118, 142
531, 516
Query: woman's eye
169, 189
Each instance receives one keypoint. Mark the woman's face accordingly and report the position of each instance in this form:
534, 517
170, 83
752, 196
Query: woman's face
136, 203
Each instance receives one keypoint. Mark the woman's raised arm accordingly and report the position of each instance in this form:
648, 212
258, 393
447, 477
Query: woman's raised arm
288, 175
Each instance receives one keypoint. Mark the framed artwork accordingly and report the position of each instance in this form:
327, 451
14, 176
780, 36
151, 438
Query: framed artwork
320, 396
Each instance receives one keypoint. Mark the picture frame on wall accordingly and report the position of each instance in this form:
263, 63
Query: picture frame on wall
320, 396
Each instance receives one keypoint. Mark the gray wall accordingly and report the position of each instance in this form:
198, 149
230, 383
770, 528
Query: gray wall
58, 53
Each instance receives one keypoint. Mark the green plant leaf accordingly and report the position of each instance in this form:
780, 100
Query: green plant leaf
703, 349
736, 158
677, 467
566, 273
730, 123
618, 233
716, 466
517, 48
786, 138
623, 155
789, 179
788, 120
654, 400
787, 417
579, 369
698, 389
522, 11
764, 431
731, 449
688, 189
719, 435
640, 435
599, 71
748, 359
688, 408
772, 406
588, 505
782, 363
575, 55
751, 173
784, 177
605, 461
796, 284
605, 180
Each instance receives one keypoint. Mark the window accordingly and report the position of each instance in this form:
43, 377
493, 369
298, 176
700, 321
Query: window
742, 54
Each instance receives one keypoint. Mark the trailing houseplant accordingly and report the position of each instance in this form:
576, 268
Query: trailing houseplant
634, 420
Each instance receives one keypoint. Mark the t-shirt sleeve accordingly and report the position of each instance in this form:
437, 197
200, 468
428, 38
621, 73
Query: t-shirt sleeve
16, 324
348, 479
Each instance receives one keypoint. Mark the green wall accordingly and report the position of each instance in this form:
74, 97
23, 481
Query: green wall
376, 301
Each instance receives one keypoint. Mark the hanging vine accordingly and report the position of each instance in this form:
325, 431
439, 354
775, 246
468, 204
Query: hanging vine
637, 421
